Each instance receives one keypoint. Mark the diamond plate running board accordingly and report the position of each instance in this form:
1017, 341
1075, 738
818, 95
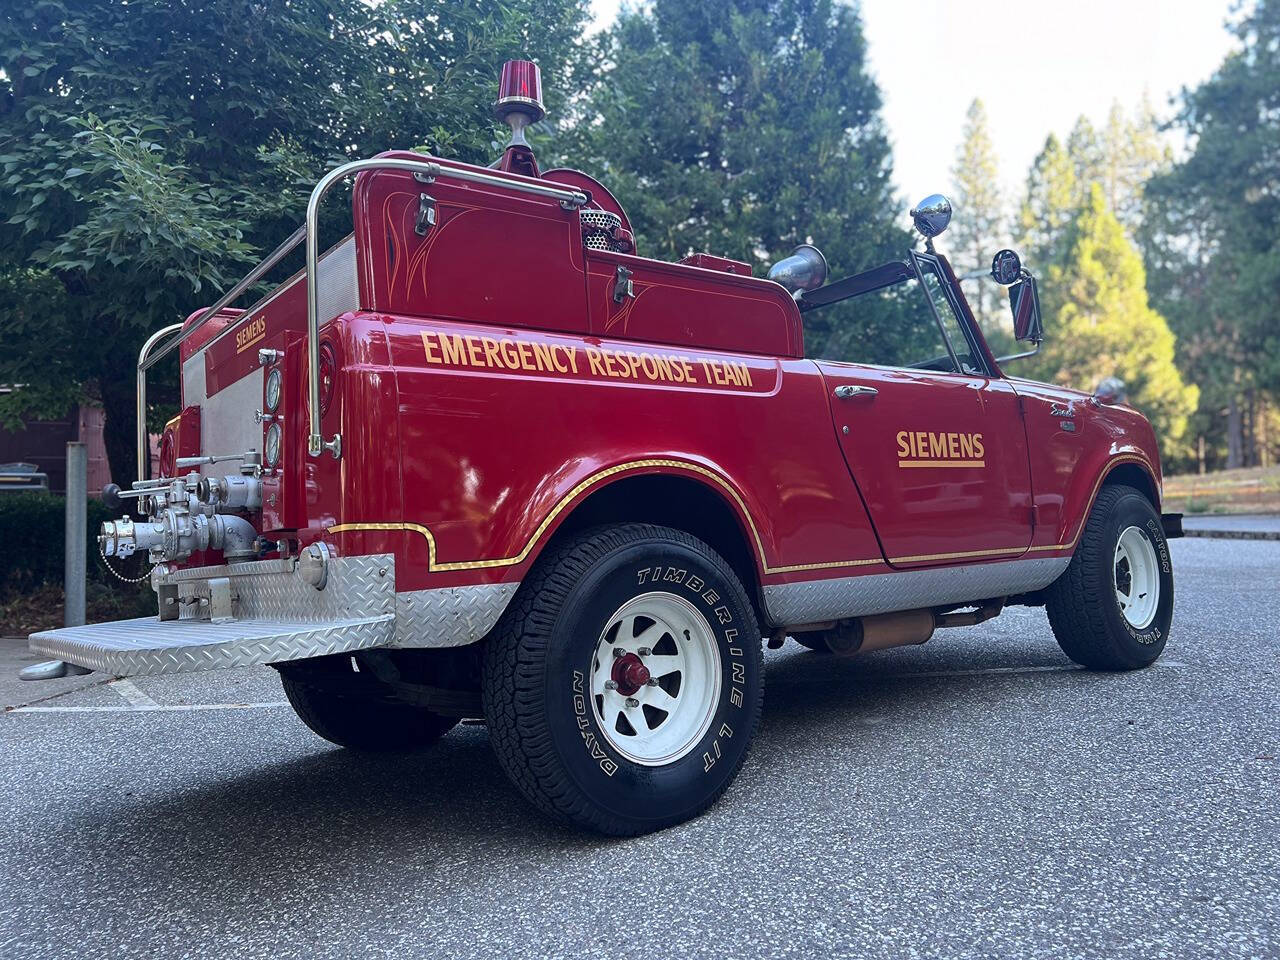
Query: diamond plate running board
146, 646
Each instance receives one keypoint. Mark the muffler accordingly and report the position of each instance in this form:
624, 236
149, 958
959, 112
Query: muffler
881, 632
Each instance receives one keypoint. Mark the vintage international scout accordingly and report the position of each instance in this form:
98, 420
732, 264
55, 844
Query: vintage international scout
483, 459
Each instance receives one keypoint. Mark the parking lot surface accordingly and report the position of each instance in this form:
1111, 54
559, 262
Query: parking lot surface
977, 796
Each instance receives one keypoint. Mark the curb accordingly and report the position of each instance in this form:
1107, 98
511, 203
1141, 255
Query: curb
1233, 534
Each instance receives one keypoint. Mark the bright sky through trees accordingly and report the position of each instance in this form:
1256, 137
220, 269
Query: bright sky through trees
1036, 66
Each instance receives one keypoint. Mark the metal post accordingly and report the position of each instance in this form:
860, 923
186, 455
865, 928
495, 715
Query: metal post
77, 532
75, 568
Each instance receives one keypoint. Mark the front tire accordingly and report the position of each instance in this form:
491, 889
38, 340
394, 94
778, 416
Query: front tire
1112, 607
623, 686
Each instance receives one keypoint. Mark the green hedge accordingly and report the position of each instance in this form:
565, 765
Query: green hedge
32, 535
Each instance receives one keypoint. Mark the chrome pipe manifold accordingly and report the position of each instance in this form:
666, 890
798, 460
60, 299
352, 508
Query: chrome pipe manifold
185, 515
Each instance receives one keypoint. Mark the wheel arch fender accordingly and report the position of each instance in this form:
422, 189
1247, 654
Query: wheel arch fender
685, 495
1119, 468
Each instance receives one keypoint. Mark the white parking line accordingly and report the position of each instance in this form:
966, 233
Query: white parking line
129, 690
154, 707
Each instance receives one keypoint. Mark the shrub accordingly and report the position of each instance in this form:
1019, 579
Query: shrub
33, 530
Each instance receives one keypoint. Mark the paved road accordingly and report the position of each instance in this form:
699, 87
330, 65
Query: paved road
974, 797
1243, 522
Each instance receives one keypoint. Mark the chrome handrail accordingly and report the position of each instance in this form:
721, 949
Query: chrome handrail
144, 448
426, 171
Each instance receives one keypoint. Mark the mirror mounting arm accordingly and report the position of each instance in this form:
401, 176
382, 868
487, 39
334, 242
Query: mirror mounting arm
1021, 356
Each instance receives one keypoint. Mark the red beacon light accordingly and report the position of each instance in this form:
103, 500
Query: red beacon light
519, 104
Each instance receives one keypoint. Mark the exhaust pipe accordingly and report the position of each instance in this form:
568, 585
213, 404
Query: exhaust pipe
902, 629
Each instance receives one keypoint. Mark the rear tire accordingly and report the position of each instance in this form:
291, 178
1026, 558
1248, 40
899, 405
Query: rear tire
336, 705
623, 685
1111, 608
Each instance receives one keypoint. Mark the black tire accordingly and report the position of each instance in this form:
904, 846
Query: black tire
1083, 608
544, 718
342, 711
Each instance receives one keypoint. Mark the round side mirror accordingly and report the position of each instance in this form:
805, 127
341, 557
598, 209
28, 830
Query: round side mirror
1005, 267
931, 215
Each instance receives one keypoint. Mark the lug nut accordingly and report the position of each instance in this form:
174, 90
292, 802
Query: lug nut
632, 702
644, 652
610, 685
651, 682
618, 653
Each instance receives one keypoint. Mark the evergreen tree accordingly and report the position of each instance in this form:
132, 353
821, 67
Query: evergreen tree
1213, 241
1050, 205
978, 227
742, 129
1102, 325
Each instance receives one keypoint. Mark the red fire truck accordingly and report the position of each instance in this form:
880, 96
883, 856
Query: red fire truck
483, 459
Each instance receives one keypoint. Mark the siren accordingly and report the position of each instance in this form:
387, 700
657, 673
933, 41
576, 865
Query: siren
519, 102
805, 269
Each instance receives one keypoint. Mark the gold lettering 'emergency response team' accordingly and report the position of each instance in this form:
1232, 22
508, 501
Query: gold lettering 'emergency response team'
916, 448
525, 356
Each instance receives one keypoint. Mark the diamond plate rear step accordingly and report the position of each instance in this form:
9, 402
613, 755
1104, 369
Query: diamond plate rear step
148, 646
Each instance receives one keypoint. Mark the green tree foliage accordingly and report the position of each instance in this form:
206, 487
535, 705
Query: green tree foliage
978, 229
1213, 240
742, 129
149, 150
1101, 324
1051, 203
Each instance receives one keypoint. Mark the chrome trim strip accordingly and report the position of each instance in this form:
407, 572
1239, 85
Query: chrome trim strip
814, 601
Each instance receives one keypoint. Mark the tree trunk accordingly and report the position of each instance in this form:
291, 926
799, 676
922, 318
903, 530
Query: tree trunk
1250, 446
119, 404
1235, 438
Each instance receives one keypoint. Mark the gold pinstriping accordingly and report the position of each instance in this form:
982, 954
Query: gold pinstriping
435, 566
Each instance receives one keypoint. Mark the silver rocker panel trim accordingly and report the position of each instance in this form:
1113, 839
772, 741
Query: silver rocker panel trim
815, 601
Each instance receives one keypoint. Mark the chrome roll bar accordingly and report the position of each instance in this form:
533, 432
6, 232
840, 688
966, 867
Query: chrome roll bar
143, 447
425, 171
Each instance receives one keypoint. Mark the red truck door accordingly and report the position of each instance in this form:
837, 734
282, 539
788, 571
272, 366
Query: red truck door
935, 443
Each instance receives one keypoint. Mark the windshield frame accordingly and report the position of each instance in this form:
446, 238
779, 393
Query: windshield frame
900, 271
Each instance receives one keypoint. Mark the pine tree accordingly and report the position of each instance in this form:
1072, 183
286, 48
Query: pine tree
742, 129
978, 227
1101, 324
1213, 239
1049, 207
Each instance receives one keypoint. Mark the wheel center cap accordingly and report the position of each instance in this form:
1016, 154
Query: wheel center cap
629, 673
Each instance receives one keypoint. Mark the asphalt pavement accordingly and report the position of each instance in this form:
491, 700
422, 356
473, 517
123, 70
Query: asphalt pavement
977, 796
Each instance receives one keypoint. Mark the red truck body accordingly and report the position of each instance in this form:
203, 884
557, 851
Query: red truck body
511, 405
488, 387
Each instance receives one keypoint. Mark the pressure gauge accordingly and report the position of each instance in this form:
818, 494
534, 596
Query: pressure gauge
273, 389
271, 450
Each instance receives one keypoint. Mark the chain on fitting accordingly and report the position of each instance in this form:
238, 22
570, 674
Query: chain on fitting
115, 573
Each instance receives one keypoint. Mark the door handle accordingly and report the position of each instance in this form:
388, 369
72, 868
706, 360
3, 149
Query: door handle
854, 390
